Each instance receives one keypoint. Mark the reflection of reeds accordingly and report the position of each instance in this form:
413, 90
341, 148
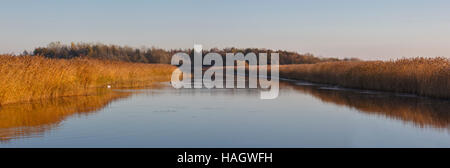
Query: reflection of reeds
421, 76
26, 78
25, 119
422, 112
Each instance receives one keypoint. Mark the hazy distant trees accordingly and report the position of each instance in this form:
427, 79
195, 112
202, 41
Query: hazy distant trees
157, 55
101, 51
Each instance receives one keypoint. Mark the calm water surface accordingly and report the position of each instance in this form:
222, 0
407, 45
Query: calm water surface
303, 115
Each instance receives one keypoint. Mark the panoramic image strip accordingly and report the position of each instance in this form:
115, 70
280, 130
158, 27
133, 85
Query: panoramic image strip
224, 83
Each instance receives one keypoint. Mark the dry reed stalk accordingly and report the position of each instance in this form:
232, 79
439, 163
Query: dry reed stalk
25, 78
421, 76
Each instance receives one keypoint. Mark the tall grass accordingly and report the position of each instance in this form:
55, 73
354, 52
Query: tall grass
421, 76
25, 78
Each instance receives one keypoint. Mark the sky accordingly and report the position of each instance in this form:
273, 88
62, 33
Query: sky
366, 29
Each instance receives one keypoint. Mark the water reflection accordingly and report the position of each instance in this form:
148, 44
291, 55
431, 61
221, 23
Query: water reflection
34, 118
421, 112
169, 117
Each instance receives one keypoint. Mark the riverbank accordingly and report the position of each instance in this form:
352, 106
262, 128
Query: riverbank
422, 76
25, 78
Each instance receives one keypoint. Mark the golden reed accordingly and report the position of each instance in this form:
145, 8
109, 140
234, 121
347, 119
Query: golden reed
421, 76
25, 78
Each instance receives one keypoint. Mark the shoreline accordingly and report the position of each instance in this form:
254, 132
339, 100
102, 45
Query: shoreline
324, 86
428, 77
29, 78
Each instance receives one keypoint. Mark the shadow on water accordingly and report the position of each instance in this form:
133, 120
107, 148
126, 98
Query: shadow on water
420, 111
35, 118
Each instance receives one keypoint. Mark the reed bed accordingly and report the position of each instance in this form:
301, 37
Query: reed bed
25, 78
421, 76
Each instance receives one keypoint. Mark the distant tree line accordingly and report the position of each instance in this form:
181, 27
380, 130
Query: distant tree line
157, 55
102, 51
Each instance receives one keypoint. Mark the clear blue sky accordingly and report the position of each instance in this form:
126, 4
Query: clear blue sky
372, 29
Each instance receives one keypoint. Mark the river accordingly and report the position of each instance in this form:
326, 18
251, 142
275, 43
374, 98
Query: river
304, 115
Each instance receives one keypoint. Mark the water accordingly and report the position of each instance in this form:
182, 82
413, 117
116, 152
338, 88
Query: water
304, 115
